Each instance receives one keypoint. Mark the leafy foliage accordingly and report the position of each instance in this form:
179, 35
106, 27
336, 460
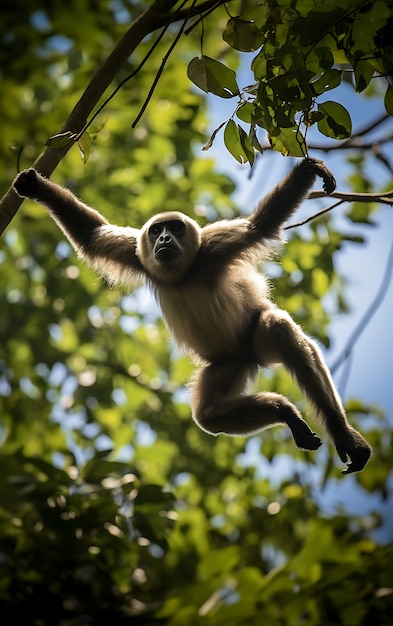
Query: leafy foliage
114, 507
304, 49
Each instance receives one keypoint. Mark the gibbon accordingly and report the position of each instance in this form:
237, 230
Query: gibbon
217, 306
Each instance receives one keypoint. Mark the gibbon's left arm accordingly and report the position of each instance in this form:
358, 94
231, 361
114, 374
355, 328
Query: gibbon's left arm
109, 249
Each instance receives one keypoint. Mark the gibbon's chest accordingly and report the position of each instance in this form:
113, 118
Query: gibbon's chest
208, 320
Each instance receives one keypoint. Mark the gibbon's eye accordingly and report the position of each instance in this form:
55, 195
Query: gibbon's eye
155, 231
177, 227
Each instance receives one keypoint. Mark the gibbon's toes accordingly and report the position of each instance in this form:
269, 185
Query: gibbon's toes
25, 182
359, 458
357, 452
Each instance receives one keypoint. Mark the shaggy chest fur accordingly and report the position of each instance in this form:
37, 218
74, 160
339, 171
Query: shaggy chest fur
210, 321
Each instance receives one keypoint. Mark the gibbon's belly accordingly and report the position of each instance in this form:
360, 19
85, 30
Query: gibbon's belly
209, 322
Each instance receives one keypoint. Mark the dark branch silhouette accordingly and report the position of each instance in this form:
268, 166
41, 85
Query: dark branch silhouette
156, 16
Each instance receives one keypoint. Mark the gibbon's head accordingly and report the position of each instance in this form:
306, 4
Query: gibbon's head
168, 244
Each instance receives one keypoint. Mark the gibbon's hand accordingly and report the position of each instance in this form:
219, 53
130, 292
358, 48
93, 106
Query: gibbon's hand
26, 183
329, 182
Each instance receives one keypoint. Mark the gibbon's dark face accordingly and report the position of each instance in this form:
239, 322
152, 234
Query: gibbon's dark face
166, 238
167, 246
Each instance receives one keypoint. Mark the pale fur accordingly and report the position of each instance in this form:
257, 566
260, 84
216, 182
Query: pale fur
194, 314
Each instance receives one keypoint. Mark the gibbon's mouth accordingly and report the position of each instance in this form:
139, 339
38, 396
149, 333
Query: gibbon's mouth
166, 253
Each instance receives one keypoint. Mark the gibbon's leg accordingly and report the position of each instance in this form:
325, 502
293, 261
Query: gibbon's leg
219, 405
279, 340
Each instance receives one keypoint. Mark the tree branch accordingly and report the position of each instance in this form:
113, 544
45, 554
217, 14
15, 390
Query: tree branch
155, 16
382, 198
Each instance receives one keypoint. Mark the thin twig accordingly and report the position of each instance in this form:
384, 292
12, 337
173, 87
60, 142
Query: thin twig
202, 14
367, 129
315, 215
161, 69
205, 8
370, 312
342, 385
135, 72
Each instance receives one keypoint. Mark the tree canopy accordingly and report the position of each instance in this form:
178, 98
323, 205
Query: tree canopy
114, 506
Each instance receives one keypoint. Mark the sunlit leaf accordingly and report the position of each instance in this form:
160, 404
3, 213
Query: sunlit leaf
213, 77
288, 141
233, 142
84, 143
245, 112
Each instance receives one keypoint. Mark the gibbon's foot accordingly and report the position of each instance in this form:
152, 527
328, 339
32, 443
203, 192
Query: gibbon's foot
25, 183
304, 437
354, 447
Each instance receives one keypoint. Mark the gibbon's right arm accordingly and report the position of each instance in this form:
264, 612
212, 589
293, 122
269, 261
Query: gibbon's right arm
274, 210
109, 249
228, 238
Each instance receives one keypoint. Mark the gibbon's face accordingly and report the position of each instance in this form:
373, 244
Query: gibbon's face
166, 239
169, 243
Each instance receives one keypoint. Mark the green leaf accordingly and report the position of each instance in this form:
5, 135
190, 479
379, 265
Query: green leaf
288, 141
367, 23
254, 139
336, 122
247, 147
213, 77
233, 142
257, 14
388, 100
364, 72
319, 21
84, 143
313, 117
212, 137
260, 66
245, 112
319, 60
285, 116
243, 35
329, 80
